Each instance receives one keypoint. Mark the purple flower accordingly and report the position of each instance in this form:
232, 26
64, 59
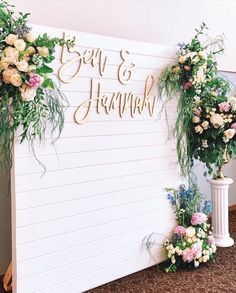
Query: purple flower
198, 218
187, 255
179, 230
224, 107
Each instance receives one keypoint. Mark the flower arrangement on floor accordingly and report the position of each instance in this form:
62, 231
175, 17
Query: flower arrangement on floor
206, 123
28, 96
192, 242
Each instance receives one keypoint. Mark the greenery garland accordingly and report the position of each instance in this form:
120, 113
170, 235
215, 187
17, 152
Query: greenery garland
206, 122
29, 98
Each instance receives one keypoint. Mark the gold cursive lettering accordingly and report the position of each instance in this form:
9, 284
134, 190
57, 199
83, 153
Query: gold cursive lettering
118, 100
124, 71
94, 57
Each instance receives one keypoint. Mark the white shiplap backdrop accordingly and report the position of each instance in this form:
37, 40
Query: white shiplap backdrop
82, 223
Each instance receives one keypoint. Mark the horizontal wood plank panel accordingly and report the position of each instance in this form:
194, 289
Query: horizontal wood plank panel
82, 223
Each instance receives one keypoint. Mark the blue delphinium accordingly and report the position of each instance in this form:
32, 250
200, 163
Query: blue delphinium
187, 201
207, 207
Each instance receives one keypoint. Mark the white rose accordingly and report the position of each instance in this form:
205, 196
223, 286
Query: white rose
232, 100
32, 68
202, 55
20, 45
205, 124
196, 119
182, 59
198, 129
43, 51
16, 80
229, 133
233, 107
11, 54
31, 50
205, 258
30, 38
216, 120
213, 246
189, 240
22, 66
10, 39
27, 93
196, 263
4, 64
7, 74
197, 100
190, 232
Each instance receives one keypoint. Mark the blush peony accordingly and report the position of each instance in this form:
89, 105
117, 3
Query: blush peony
198, 219
179, 230
187, 255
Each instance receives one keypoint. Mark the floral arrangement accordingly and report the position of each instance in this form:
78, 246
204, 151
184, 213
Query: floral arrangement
28, 96
192, 242
206, 123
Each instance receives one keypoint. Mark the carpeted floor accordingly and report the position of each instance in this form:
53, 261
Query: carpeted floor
212, 278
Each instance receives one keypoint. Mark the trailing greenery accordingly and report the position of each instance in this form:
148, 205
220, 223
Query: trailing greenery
206, 120
30, 101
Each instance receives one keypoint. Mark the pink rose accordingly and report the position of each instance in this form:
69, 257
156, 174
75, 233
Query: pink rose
187, 255
179, 230
224, 107
198, 218
197, 112
233, 126
35, 81
187, 85
197, 250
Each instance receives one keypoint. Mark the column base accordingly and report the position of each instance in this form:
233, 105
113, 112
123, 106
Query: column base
223, 241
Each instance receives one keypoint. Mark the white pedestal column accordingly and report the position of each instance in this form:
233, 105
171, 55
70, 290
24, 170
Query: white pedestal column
220, 212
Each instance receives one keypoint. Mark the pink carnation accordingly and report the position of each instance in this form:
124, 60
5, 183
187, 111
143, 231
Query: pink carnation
224, 107
198, 218
187, 255
233, 126
179, 230
197, 250
35, 81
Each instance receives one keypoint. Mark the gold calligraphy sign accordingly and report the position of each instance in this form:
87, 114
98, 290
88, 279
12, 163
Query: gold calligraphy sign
122, 100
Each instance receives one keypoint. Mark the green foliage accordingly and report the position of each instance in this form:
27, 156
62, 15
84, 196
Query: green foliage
30, 101
194, 79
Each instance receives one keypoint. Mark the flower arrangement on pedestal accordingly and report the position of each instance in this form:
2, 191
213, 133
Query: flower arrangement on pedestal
206, 123
192, 242
28, 96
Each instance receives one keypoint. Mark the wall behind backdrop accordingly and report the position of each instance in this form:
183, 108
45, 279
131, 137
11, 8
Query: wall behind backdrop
142, 20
